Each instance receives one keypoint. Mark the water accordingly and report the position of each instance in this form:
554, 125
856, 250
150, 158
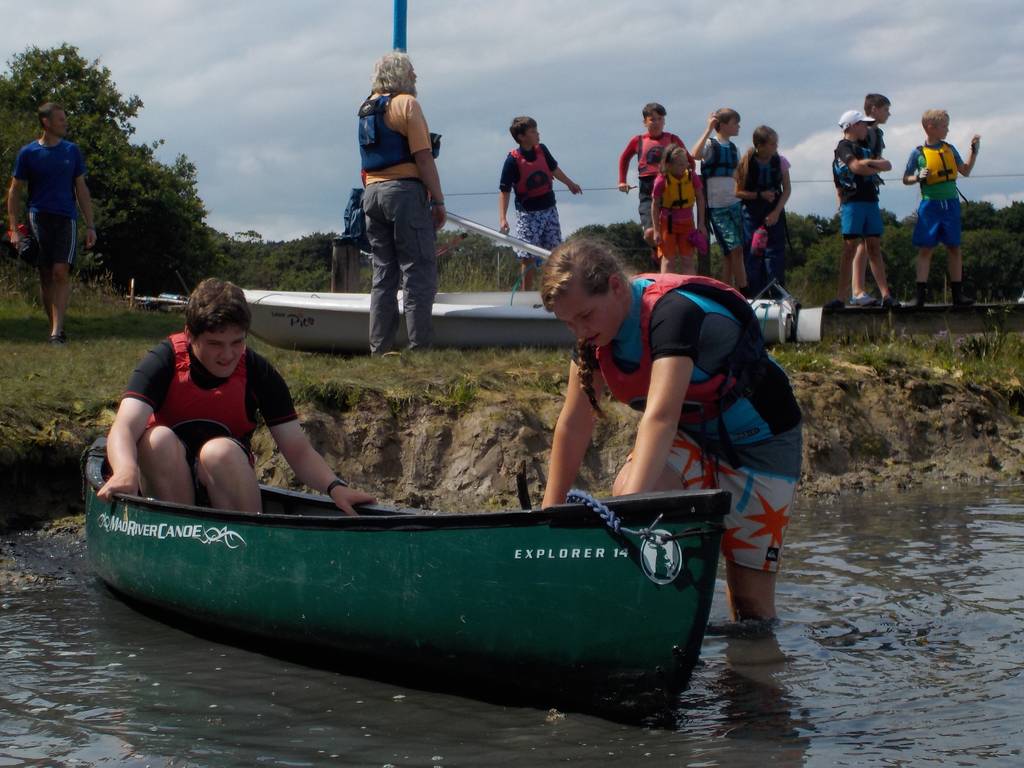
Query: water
902, 644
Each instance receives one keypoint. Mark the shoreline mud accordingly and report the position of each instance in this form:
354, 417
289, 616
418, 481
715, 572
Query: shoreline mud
862, 431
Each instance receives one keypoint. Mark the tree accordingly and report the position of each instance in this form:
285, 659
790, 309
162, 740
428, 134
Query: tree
978, 215
626, 238
149, 215
1011, 218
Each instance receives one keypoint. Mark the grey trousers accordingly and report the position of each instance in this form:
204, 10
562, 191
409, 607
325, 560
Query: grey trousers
401, 234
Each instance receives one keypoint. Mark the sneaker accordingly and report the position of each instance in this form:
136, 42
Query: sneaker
864, 300
835, 304
59, 339
891, 303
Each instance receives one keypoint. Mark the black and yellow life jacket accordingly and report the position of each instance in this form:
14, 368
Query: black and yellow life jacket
940, 162
678, 192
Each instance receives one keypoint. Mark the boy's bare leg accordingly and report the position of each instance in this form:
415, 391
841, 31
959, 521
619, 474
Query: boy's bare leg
846, 270
163, 467
860, 263
956, 263
739, 272
224, 469
873, 246
526, 274
924, 263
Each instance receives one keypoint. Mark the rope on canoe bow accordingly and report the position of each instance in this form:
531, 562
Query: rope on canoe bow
612, 520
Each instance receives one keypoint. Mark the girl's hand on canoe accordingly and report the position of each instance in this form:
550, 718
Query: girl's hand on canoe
125, 483
346, 498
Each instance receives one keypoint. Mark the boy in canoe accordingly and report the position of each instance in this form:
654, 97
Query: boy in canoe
717, 411
184, 428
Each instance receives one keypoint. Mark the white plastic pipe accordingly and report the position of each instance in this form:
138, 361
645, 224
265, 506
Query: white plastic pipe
498, 237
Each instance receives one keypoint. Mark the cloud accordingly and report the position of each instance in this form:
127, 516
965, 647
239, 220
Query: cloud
262, 96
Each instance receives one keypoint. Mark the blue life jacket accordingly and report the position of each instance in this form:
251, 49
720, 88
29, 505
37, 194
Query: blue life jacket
753, 181
355, 222
844, 177
723, 161
379, 146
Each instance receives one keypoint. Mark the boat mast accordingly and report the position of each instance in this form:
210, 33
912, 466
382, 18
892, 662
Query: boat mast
400, 19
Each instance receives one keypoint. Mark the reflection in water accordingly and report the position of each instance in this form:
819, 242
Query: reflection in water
901, 643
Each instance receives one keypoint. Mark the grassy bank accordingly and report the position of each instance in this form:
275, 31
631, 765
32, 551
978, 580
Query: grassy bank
49, 393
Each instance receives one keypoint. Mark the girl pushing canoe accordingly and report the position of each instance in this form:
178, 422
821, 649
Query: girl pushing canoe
717, 411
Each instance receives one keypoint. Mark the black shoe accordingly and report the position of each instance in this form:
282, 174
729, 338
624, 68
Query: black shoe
59, 339
959, 300
835, 304
888, 302
921, 295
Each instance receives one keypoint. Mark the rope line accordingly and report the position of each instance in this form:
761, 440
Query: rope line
792, 181
614, 522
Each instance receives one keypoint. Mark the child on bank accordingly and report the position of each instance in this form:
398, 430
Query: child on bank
935, 166
648, 149
675, 192
876, 107
763, 187
855, 174
529, 171
719, 158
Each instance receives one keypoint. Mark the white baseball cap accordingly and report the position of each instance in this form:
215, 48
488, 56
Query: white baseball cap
852, 117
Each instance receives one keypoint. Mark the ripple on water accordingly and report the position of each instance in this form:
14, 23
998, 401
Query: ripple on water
901, 644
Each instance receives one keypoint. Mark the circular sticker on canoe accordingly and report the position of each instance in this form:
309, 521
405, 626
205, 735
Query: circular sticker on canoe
661, 560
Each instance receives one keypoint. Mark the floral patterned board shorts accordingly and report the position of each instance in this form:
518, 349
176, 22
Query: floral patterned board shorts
761, 503
540, 228
727, 224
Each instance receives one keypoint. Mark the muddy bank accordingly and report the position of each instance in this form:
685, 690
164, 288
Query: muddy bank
54, 552
862, 430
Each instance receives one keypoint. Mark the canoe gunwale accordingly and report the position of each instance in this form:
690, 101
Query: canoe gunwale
709, 506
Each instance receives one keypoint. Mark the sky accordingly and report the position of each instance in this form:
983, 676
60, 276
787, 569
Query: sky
262, 96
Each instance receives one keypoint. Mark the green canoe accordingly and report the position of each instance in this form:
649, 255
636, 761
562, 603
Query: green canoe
545, 607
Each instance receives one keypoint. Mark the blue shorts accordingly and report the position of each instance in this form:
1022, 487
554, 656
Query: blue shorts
861, 220
540, 228
727, 224
938, 221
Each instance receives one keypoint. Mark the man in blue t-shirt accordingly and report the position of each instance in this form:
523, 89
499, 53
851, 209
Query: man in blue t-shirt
53, 171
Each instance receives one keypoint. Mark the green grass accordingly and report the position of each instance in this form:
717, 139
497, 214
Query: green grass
45, 385
47, 390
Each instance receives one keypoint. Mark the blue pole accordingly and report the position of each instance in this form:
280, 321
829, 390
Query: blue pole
400, 18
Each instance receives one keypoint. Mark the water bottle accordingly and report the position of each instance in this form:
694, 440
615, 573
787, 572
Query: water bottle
759, 242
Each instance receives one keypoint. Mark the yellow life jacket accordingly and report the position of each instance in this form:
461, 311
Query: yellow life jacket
678, 193
940, 162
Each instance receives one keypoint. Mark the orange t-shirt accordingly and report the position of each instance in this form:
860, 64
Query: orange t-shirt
404, 116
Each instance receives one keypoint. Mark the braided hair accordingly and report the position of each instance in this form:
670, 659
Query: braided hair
592, 262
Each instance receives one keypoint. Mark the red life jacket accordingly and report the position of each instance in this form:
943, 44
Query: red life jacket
649, 152
534, 175
704, 399
224, 405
